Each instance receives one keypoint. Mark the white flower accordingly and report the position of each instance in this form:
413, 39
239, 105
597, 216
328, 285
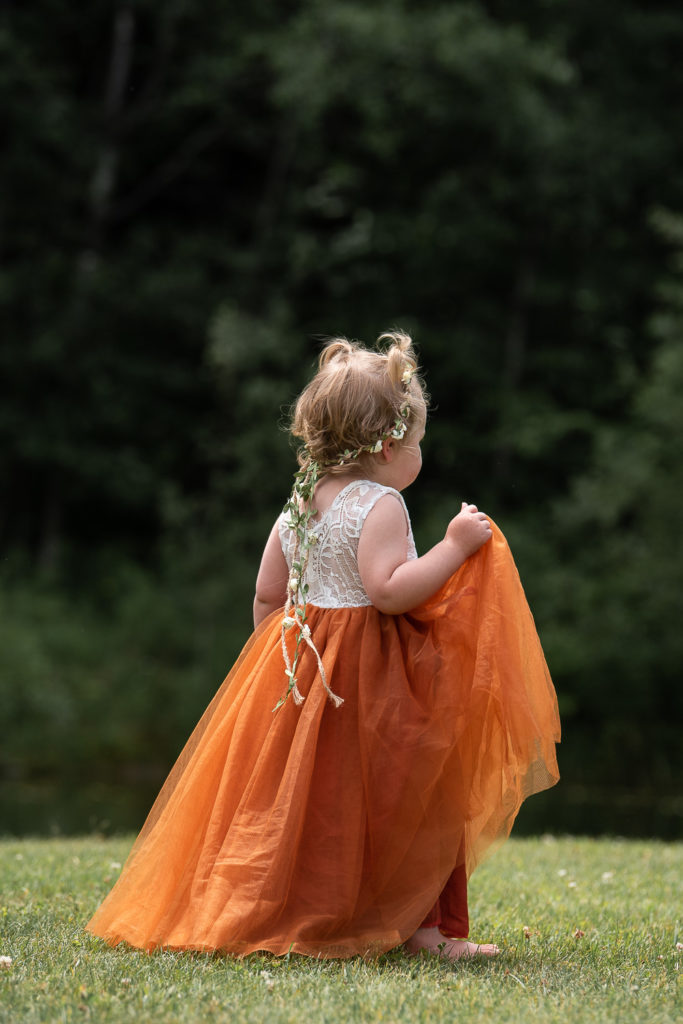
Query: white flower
399, 431
288, 621
294, 583
313, 538
376, 447
407, 376
5, 963
306, 631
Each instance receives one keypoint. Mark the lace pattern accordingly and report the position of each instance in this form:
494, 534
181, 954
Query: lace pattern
332, 574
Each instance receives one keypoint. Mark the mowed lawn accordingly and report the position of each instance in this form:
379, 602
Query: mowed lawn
589, 931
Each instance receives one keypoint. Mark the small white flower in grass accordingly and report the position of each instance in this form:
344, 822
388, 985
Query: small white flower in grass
115, 864
562, 872
607, 876
268, 978
679, 945
571, 885
5, 963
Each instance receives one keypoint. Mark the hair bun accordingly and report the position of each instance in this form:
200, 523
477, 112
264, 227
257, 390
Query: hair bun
336, 348
400, 354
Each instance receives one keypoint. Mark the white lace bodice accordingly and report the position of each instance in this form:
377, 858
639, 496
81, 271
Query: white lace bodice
332, 573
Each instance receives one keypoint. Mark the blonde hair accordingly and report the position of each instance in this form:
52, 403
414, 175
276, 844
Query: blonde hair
356, 397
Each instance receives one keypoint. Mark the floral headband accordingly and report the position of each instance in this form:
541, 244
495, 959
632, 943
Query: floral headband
299, 510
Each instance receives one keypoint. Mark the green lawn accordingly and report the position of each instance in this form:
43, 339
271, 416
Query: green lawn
589, 931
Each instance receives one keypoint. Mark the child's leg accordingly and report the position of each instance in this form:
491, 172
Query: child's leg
446, 927
450, 913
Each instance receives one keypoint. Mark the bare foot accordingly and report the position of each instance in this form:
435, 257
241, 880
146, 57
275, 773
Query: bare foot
434, 941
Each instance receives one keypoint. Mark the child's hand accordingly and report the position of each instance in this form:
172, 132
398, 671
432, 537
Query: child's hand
469, 530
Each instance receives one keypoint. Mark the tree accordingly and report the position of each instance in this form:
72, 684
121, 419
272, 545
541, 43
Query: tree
609, 604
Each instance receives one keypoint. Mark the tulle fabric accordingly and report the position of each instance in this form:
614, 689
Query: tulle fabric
331, 832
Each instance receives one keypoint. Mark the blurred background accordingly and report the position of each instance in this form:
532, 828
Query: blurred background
191, 197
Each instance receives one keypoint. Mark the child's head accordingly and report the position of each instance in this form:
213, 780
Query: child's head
355, 399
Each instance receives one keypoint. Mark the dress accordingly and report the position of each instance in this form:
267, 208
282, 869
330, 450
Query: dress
332, 831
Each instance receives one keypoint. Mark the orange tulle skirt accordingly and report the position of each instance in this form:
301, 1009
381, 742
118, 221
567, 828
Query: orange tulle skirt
332, 831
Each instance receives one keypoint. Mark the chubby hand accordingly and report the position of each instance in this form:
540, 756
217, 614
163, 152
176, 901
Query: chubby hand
469, 530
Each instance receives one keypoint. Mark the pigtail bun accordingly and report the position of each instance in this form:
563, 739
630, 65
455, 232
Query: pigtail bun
336, 349
400, 355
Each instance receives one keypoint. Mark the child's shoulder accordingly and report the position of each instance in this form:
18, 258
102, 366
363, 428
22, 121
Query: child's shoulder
387, 522
384, 506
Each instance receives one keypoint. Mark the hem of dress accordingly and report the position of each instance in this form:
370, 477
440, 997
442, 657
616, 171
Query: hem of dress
370, 950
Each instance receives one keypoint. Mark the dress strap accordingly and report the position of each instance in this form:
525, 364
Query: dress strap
369, 494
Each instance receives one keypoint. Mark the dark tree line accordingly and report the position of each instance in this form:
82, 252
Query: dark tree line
191, 195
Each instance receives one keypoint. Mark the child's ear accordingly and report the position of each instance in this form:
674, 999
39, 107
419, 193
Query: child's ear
388, 449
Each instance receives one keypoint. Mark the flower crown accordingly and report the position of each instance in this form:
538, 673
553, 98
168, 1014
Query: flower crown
299, 511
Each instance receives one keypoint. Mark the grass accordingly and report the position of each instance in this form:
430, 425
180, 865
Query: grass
589, 931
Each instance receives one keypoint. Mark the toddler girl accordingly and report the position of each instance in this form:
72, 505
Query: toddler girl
381, 728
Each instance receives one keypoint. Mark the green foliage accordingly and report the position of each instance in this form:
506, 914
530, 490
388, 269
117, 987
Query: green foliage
588, 932
107, 690
484, 175
615, 567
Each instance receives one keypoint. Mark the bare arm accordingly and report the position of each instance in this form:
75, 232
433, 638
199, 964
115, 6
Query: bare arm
394, 584
272, 579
